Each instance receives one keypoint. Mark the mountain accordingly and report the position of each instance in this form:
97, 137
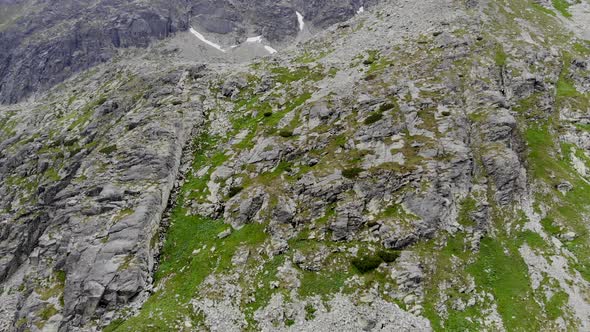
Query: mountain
295, 166
47, 42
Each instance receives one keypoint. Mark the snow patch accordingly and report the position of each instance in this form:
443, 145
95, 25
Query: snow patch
300, 20
361, 10
270, 49
204, 40
257, 39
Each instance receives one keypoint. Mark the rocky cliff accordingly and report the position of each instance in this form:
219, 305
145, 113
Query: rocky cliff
45, 43
423, 165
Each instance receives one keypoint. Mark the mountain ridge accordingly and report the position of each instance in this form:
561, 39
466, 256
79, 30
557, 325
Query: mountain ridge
421, 166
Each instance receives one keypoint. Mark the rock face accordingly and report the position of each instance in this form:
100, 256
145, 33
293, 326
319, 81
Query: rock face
98, 174
46, 43
45, 46
422, 165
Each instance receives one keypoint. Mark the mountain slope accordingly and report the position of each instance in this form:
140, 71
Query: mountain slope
421, 166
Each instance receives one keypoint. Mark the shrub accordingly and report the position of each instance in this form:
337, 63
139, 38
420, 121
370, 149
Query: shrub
386, 107
234, 191
388, 256
351, 173
373, 118
367, 263
310, 311
286, 133
267, 114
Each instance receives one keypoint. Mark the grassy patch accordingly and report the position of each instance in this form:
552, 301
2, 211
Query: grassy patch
503, 272
108, 150
500, 56
565, 88
542, 9
322, 282
352, 173
555, 305
562, 6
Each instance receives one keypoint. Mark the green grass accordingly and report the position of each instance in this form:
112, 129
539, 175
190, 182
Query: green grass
182, 266
543, 9
467, 207
52, 175
551, 164
555, 305
500, 56
47, 312
501, 271
289, 75
562, 6
108, 150
85, 114
323, 282
187, 234
565, 88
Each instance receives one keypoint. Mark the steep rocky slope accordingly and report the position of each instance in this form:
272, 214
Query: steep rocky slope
422, 166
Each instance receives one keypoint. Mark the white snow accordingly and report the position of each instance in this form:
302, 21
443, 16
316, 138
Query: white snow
361, 10
270, 49
257, 39
204, 40
300, 20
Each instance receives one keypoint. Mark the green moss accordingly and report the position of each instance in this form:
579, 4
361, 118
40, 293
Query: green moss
397, 211
189, 233
532, 239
